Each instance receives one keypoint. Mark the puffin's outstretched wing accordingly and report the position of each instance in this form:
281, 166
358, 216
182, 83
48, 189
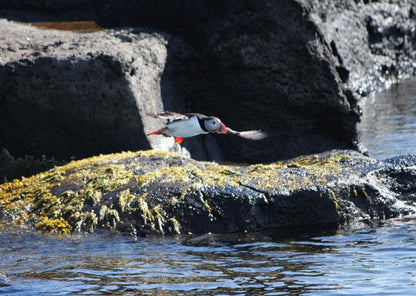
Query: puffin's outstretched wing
254, 135
168, 116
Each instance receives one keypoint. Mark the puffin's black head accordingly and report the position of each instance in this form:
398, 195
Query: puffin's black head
214, 125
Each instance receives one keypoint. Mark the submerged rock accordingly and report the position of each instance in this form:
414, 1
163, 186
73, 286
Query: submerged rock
150, 192
4, 280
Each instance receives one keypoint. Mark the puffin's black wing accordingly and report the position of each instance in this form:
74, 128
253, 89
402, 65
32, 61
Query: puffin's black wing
199, 115
168, 116
254, 135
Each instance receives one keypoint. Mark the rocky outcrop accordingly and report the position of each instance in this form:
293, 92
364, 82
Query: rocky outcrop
375, 41
294, 63
152, 192
262, 65
16, 167
68, 95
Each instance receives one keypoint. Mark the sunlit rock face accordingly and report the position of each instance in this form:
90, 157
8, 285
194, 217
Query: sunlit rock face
373, 40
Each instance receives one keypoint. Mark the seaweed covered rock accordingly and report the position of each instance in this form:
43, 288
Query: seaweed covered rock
150, 192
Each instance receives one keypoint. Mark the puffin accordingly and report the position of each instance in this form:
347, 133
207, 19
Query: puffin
188, 125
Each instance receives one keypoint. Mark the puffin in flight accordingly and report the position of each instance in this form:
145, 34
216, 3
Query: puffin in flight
187, 125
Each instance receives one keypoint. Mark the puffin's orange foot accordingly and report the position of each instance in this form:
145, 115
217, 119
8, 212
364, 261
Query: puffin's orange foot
178, 140
158, 132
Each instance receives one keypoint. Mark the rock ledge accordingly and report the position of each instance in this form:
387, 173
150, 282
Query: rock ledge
151, 192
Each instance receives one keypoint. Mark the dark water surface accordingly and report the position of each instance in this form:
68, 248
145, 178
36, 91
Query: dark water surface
388, 124
379, 260
366, 261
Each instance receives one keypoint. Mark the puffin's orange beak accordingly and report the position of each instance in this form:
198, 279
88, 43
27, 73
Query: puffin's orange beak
222, 129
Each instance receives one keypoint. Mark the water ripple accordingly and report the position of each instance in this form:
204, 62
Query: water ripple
388, 124
368, 261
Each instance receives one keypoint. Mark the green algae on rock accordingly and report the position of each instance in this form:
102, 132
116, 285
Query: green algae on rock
163, 193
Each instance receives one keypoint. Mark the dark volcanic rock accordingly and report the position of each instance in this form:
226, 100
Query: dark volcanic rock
375, 41
281, 66
16, 167
67, 94
160, 193
257, 65
262, 65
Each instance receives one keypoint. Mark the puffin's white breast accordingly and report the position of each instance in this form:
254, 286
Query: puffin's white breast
185, 128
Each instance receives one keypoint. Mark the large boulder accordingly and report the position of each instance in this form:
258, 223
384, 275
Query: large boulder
261, 65
152, 192
67, 94
256, 65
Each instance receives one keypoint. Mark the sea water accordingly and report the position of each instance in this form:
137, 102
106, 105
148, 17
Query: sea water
376, 260
388, 124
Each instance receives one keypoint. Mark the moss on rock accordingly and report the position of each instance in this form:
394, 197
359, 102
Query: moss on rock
158, 192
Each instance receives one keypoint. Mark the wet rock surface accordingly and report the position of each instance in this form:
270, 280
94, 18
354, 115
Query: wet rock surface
152, 192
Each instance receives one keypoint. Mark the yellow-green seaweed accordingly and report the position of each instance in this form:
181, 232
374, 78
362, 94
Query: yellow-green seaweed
58, 225
98, 191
